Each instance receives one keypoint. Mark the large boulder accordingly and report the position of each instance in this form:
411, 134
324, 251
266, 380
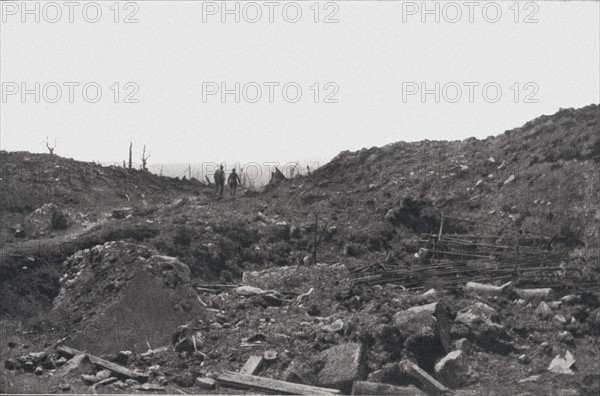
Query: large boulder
343, 364
337, 367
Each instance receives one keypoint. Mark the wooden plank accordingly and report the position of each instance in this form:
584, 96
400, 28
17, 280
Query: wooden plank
252, 365
67, 351
244, 381
115, 368
374, 388
430, 384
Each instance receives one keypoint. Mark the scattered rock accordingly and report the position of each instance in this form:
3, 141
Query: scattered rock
73, 364
531, 378
206, 383
543, 311
510, 179
103, 374
39, 370
89, 379
344, 364
123, 357
64, 387
593, 321
131, 382
463, 345
524, 359
566, 338
488, 334
560, 365
476, 313
547, 348
453, 369
186, 380
37, 357
554, 304
559, 319
121, 213
571, 299
334, 327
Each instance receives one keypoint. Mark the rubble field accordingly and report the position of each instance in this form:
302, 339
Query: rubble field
467, 268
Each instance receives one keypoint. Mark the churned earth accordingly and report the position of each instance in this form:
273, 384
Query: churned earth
157, 275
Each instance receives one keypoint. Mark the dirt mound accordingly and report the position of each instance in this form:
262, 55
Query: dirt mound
34, 185
538, 178
121, 296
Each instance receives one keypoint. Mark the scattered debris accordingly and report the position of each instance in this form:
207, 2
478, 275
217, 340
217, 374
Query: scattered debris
115, 368
430, 384
337, 325
481, 288
453, 369
562, 365
544, 311
206, 383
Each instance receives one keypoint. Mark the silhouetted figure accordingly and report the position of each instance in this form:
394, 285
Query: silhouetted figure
233, 182
219, 181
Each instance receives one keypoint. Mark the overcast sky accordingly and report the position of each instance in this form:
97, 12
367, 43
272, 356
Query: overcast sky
371, 64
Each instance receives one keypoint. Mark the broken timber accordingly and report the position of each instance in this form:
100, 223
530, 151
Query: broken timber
544, 293
115, 368
244, 381
481, 288
252, 365
430, 384
375, 388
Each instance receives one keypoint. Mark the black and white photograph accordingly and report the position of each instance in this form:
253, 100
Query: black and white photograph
310, 197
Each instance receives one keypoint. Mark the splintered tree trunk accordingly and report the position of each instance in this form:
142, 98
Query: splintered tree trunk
482, 288
314, 258
130, 157
545, 293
